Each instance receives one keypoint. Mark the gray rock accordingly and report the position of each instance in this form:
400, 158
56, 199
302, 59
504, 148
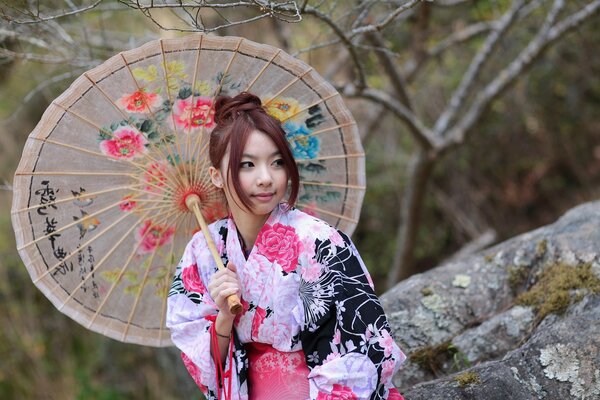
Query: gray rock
467, 309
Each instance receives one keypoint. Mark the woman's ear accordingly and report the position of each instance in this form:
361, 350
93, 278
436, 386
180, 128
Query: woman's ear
216, 177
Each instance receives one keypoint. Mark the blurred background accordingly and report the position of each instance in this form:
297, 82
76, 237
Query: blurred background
480, 121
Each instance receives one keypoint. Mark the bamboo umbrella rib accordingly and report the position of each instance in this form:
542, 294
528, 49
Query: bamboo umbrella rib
328, 213
73, 173
93, 173
101, 262
106, 96
217, 91
69, 225
188, 136
82, 118
289, 84
331, 128
155, 148
144, 280
183, 177
66, 199
338, 185
264, 68
123, 269
86, 151
335, 157
321, 100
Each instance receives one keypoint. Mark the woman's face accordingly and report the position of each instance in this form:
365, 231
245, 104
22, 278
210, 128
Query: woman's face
263, 177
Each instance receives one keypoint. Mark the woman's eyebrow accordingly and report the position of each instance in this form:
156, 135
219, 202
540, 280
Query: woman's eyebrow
253, 157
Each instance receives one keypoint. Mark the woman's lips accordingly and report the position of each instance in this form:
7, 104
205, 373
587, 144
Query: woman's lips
264, 196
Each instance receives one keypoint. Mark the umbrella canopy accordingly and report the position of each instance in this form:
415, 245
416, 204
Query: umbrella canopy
99, 207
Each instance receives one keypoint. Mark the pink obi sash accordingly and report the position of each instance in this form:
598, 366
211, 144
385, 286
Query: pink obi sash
276, 375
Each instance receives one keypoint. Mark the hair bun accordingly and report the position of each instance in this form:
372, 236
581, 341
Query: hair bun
228, 108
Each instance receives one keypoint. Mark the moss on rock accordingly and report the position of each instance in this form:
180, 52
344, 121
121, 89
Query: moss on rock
552, 292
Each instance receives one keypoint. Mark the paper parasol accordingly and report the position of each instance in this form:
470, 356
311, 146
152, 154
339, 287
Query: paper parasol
99, 207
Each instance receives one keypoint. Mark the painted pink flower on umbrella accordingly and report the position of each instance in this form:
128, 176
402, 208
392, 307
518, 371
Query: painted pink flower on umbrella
127, 142
140, 101
155, 176
339, 392
152, 236
191, 280
193, 112
279, 243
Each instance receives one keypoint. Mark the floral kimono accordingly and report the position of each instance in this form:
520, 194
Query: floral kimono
305, 291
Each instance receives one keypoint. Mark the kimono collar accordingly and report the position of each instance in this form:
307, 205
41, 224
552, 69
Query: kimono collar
234, 243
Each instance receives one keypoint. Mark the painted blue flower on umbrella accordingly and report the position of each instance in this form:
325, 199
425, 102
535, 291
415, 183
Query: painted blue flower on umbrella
303, 145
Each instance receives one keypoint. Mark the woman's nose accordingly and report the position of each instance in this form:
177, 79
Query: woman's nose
264, 177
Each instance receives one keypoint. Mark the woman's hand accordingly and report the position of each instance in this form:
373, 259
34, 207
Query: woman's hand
223, 284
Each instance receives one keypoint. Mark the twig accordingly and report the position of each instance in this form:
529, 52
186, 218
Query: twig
546, 36
386, 21
390, 69
39, 19
421, 134
468, 81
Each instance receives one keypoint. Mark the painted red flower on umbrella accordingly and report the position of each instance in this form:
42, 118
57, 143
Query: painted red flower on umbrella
193, 113
127, 142
152, 236
127, 204
140, 101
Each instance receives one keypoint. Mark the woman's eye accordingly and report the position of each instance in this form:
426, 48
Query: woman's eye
279, 162
246, 164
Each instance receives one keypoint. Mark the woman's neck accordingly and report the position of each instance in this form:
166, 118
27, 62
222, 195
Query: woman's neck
248, 226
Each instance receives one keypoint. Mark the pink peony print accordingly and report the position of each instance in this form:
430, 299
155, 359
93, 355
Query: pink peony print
312, 271
127, 142
386, 341
188, 115
191, 280
337, 336
259, 318
127, 204
387, 371
193, 370
153, 236
339, 392
140, 101
155, 176
279, 243
394, 394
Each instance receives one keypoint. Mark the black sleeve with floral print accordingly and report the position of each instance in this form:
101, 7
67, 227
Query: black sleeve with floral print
342, 313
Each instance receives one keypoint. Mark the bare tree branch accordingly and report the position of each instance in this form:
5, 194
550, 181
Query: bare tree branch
420, 133
390, 69
469, 78
35, 19
386, 21
345, 40
545, 37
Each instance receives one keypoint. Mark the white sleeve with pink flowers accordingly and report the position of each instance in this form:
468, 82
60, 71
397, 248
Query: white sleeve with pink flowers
190, 314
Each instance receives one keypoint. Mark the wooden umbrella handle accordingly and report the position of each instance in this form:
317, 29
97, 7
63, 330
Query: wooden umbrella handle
192, 201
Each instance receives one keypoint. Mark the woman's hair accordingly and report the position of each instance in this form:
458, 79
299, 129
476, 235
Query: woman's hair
236, 117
